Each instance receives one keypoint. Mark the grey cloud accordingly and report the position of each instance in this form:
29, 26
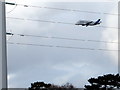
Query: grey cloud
30, 63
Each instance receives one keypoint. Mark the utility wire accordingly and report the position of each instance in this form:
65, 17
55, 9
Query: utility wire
60, 9
62, 38
38, 20
68, 47
12, 9
46, 21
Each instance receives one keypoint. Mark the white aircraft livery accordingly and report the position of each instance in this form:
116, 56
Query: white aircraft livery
88, 23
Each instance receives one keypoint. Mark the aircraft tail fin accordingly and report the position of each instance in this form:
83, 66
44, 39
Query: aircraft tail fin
97, 22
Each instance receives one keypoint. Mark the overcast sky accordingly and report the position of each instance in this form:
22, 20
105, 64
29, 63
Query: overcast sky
28, 64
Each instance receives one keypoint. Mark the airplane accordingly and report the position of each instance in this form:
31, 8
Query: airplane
88, 23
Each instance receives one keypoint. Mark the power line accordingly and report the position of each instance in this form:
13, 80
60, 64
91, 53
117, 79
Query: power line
63, 38
38, 20
67, 47
47, 21
73, 10
12, 9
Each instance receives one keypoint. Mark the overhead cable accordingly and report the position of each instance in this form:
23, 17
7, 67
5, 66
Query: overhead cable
67, 47
61, 9
47, 21
63, 38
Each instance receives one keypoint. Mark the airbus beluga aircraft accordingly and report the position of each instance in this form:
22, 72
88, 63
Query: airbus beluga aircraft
88, 23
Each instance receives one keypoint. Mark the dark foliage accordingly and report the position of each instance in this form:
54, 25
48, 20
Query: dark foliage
44, 86
104, 82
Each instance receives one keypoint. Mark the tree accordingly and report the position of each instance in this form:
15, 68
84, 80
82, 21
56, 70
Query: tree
44, 86
104, 82
39, 85
68, 85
